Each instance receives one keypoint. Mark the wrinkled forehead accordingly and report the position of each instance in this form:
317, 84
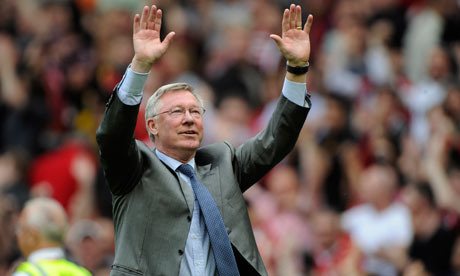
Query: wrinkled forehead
183, 98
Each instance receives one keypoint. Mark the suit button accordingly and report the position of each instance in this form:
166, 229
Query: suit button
180, 252
189, 218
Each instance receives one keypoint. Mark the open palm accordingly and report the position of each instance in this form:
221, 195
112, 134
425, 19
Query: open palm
295, 42
146, 37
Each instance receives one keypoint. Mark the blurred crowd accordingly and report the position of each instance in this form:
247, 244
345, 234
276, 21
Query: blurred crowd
373, 185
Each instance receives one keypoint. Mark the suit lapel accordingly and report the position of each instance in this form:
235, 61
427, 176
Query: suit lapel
208, 176
210, 179
184, 188
187, 192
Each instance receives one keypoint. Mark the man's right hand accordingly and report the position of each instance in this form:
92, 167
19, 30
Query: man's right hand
146, 39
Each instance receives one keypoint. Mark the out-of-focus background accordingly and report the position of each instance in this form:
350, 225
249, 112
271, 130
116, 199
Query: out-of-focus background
373, 185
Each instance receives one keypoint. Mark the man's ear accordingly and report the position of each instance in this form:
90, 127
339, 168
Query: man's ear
152, 126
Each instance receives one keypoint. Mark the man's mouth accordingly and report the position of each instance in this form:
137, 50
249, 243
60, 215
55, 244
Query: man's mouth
189, 132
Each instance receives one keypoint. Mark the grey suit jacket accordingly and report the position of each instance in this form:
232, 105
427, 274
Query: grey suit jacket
152, 205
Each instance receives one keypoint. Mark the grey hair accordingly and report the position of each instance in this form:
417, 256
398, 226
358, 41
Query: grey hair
154, 102
48, 217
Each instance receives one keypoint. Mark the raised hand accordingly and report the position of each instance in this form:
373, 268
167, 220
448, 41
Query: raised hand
146, 39
295, 42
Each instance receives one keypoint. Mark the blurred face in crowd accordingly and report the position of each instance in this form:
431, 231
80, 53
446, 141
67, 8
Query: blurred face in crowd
235, 110
452, 103
377, 186
178, 127
336, 115
91, 241
439, 64
8, 170
326, 228
54, 17
382, 148
413, 200
283, 183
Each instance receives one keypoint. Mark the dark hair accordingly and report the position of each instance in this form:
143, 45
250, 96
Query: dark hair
453, 163
424, 189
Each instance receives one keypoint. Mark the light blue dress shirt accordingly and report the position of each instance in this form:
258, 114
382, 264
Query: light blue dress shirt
198, 258
131, 87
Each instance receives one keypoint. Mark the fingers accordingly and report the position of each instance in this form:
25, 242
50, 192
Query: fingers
285, 23
136, 26
148, 20
308, 24
292, 16
144, 16
151, 20
277, 40
158, 17
298, 17
168, 39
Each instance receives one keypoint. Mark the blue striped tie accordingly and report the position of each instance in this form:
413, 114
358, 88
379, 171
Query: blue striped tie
220, 242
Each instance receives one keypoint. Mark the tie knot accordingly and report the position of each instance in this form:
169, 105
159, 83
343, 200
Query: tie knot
186, 169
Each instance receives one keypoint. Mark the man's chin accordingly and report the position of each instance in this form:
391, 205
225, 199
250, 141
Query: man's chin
190, 145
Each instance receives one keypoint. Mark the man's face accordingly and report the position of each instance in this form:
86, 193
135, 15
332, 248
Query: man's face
177, 136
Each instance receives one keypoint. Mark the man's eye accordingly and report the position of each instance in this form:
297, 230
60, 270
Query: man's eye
195, 111
176, 111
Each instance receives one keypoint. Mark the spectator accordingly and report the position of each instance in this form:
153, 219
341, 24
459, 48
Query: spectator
433, 238
41, 230
380, 226
428, 93
68, 175
442, 162
9, 252
283, 183
91, 244
423, 34
13, 167
332, 182
333, 252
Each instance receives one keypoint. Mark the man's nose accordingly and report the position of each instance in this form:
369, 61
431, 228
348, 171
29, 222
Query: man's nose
188, 116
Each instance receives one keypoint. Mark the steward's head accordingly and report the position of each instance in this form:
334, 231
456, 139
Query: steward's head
42, 224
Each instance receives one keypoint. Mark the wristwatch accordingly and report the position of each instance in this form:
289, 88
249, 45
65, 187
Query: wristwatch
297, 70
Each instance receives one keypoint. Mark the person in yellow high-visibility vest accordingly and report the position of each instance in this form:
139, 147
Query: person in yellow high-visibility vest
40, 233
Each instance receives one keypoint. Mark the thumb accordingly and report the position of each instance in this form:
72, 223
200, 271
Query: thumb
277, 39
169, 38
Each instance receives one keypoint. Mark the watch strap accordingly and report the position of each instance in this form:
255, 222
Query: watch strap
297, 70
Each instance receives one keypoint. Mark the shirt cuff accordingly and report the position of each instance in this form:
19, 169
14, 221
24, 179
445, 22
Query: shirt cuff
131, 87
296, 92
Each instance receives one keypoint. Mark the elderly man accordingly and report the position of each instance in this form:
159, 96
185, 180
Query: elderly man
178, 208
41, 230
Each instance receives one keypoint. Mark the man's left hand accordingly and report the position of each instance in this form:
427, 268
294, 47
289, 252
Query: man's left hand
295, 41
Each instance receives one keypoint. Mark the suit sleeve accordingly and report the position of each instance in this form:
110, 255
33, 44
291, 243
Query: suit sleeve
259, 155
120, 157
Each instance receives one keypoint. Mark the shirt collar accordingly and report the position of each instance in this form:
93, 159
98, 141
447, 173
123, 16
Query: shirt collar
171, 162
53, 253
